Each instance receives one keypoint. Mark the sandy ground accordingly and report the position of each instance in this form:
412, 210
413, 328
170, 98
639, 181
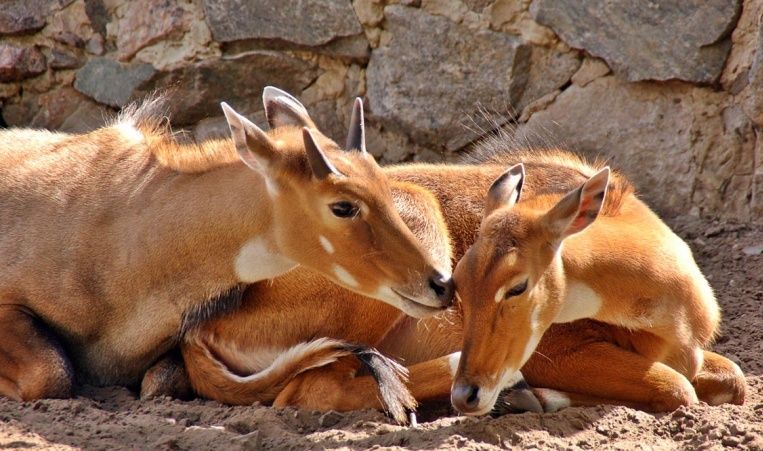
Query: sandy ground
108, 418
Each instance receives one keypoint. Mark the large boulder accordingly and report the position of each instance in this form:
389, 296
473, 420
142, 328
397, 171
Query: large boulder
668, 39
110, 82
431, 88
19, 63
680, 144
146, 22
198, 89
310, 23
23, 16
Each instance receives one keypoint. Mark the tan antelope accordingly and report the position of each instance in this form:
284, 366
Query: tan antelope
115, 241
594, 252
280, 346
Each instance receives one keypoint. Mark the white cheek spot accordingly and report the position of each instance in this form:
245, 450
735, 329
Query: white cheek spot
453, 360
327, 246
580, 301
500, 294
344, 276
271, 186
256, 261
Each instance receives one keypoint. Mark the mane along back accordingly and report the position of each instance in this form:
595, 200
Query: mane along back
551, 170
150, 117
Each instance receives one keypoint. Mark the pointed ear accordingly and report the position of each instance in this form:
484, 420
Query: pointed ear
579, 208
281, 108
254, 147
356, 137
320, 165
506, 189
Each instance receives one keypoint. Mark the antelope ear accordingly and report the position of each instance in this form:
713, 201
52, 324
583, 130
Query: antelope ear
320, 165
579, 208
506, 189
254, 147
281, 109
356, 137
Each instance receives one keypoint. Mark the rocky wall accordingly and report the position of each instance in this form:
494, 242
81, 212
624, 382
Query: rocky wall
668, 91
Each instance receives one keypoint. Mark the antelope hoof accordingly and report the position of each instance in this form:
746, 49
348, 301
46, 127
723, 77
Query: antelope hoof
517, 399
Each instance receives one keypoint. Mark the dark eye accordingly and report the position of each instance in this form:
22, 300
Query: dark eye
344, 209
516, 290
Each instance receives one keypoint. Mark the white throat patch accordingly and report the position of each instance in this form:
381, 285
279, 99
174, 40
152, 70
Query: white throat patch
256, 261
344, 276
580, 301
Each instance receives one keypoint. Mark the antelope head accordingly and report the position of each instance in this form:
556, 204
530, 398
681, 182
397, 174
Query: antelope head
511, 281
332, 208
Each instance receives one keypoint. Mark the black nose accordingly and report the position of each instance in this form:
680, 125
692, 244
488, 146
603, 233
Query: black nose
465, 397
443, 288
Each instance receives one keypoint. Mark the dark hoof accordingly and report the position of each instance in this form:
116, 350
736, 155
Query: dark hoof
517, 399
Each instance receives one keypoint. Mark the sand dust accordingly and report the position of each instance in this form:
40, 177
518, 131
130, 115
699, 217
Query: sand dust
108, 418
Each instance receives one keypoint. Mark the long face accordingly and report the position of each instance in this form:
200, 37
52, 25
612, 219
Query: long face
511, 282
332, 209
350, 231
509, 291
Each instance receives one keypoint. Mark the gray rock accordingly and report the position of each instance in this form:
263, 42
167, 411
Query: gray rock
56, 106
110, 82
757, 197
19, 111
147, 21
23, 16
98, 15
63, 59
636, 128
549, 70
198, 89
669, 39
309, 23
432, 88
20, 63
754, 78
679, 143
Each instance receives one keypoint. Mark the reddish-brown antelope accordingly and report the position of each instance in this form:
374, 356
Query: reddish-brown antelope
594, 252
280, 347
113, 242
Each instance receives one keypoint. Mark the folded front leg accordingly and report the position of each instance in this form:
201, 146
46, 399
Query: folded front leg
32, 362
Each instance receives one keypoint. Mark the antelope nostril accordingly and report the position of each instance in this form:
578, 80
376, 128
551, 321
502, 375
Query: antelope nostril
474, 396
466, 397
442, 287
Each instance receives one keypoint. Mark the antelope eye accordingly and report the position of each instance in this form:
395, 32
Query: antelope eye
344, 209
516, 290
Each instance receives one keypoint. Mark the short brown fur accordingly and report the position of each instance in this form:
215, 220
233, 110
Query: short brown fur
429, 346
113, 239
